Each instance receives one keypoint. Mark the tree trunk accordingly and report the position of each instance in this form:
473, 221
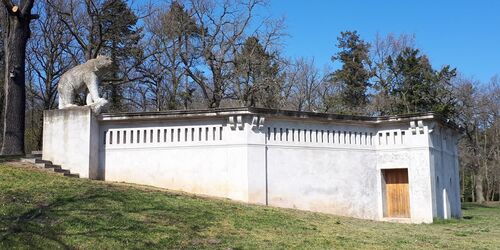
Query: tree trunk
462, 186
479, 188
217, 94
16, 35
2, 92
499, 191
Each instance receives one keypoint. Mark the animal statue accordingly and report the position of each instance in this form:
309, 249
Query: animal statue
83, 76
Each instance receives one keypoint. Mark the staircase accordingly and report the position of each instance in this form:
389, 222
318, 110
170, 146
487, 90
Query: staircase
35, 158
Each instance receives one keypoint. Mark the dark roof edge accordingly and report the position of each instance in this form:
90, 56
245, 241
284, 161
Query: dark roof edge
199, 113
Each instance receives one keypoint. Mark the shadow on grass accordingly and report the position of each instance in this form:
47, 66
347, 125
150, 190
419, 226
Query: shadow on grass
439, 221
108, 218
24, 224
9, 158
472, 205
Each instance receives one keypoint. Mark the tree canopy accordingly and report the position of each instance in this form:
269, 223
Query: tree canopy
192, 54
354, 75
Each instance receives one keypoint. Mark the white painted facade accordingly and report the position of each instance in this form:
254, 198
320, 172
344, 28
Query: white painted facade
310, 161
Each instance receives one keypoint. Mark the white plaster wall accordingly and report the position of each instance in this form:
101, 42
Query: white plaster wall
323, 180
403, 147
325, 171
256, 162
419, 179
340, 173
325, 166
196, 165
69, 140
446, 173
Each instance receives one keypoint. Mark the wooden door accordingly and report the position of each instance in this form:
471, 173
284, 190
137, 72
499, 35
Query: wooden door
397, 193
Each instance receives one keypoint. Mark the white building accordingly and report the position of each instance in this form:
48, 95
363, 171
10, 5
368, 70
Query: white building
402, 168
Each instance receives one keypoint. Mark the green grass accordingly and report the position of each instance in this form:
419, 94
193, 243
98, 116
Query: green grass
41, 210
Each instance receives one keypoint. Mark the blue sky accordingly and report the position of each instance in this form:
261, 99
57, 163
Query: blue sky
464, 34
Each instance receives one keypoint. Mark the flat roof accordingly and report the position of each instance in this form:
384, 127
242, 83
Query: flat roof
278, 113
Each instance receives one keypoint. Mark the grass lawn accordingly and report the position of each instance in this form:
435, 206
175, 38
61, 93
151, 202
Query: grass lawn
42, 210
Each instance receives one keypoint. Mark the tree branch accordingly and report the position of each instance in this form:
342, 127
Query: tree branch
26, 8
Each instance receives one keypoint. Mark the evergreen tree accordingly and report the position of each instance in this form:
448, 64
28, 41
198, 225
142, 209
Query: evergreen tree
257, 76
103, 27
121, 39
354, 75
178, 24
170, 33
417, 86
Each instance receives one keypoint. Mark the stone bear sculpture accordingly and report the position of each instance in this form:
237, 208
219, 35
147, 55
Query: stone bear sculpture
85, 75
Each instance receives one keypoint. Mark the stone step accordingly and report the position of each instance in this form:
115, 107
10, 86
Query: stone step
53, 168
34, 160
72, 175
63, 171
47, 166
34, 156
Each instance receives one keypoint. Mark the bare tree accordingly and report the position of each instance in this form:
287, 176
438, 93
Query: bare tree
164, 72
103, 27
47, 58
491, 139
381, 49
303, 82
223, 28
479, 116
16, 32
258, 76
83, 20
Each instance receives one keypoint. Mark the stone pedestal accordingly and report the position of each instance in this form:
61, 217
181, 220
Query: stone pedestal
70, 139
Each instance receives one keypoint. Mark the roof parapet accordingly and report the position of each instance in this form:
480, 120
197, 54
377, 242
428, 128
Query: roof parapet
290, 114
